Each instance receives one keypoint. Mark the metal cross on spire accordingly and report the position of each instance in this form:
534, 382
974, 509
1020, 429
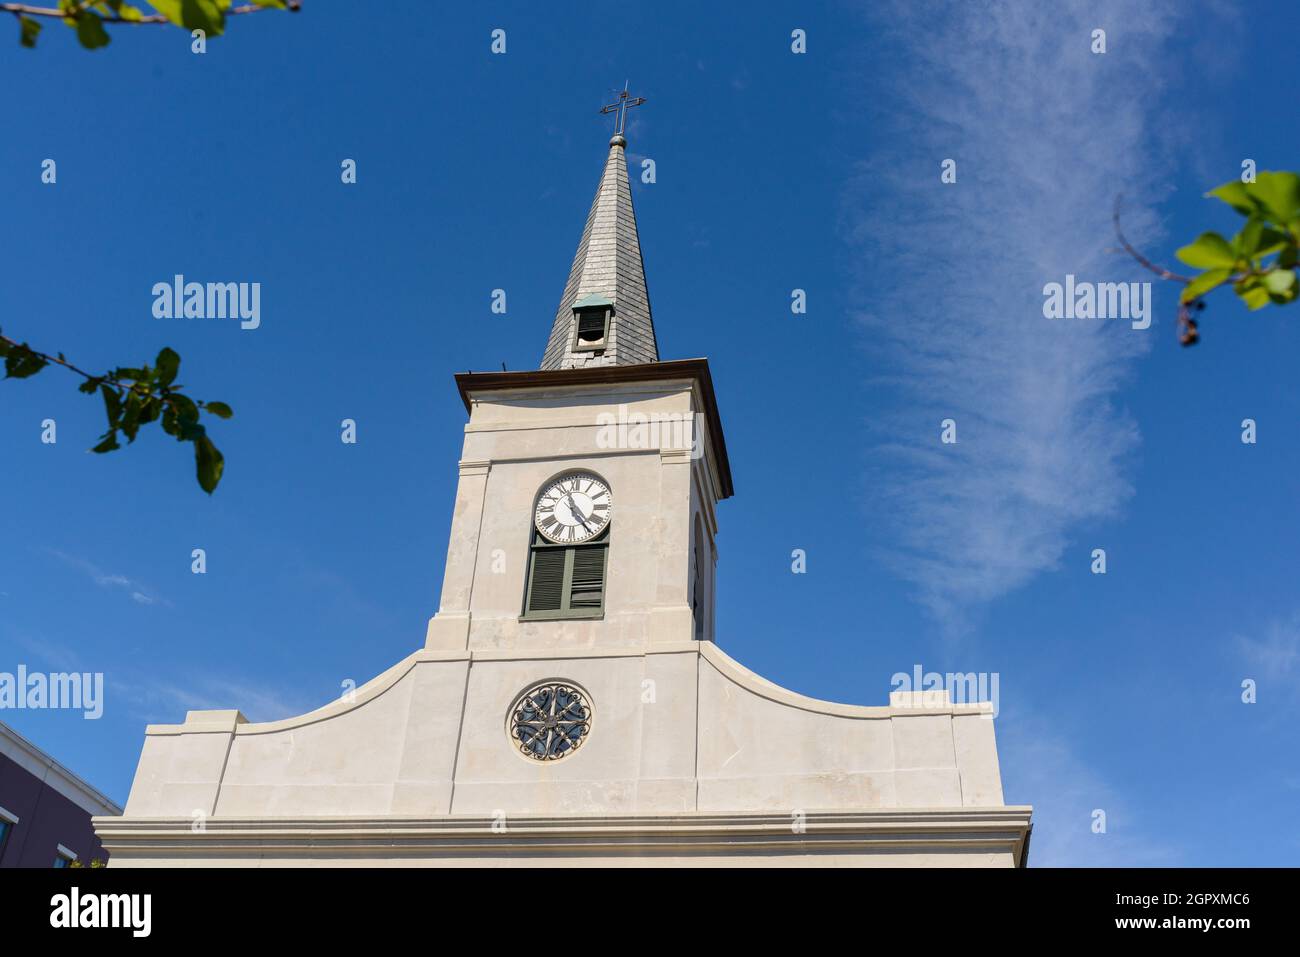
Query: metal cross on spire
625, 102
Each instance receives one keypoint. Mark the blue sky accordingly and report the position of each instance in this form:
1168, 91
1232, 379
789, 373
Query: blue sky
775, 171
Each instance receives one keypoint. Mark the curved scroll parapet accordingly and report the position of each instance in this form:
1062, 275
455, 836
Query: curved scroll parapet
722, 663
371, 690
737, 673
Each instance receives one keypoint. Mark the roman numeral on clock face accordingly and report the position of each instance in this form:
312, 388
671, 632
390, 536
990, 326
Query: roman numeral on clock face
573, 508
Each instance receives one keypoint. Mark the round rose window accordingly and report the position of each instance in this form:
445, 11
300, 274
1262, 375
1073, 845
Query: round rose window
550, 721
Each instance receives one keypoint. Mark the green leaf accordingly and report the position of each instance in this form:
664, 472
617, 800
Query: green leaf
107, 443
186, 410
28, 29
130, 423
209, 463
167, 363
125, 11
1246, 242
171, 9
1255, 297
90, 31
1257, 241
1279, 281
206, 15
134, 375
219, 409
89, 386
21, 362
112, 405
1204, 283
1208, 252
1234, 194
150, 409
186, 418
1279, 194
1270, 242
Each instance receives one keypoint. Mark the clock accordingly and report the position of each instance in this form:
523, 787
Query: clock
574, 508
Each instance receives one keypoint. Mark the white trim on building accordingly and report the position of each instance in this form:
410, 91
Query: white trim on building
39, 764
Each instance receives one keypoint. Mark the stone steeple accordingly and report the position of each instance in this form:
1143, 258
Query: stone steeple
604, 314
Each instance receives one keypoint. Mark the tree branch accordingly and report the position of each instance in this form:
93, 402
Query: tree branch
1160, 271
59, 360
1188, 334
133, 398
24, 9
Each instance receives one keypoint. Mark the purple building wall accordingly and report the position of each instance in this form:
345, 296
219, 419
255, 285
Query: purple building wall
34, 788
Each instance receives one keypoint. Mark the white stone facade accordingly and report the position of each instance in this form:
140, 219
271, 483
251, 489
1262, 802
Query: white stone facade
690, 758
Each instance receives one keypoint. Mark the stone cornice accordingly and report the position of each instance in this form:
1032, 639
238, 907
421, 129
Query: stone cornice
994, 830
472, 384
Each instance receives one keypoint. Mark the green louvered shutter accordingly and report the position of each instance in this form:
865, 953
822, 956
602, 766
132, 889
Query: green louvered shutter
546, 586
588, 587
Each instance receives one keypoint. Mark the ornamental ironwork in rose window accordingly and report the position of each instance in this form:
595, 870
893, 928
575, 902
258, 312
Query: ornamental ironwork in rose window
551, 721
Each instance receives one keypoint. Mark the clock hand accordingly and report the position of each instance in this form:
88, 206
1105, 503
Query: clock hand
577, 511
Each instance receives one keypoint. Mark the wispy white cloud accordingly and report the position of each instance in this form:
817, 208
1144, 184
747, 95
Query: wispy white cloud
49, 652
1273, 660
141, 594
1277, 653
1045, 134
1041, 767
166, 701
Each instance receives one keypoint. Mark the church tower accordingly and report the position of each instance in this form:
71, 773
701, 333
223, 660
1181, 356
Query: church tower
586, 510
569, 705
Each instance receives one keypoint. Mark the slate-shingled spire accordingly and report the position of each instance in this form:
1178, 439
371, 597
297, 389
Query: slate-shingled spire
606, 269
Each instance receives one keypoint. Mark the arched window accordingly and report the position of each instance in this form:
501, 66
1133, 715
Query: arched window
699, 555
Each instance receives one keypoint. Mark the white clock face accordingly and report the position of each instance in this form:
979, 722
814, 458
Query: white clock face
573, 508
